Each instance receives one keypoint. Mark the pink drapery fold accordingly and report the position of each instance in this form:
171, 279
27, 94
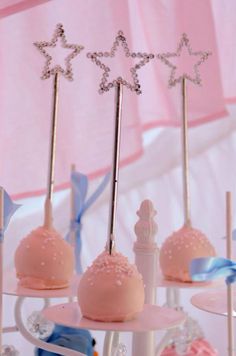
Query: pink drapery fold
225, 26
10, 7
85, 117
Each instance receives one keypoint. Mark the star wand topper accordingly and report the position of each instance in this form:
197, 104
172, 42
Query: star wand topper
55, 71
166, 58
106, 83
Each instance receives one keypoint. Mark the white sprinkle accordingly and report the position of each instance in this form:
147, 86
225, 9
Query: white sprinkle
27, 246
42, 263
118, 282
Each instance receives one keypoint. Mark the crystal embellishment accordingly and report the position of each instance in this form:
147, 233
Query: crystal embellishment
201, 57
106, 84
9, 350
121, 350
48, 70
38, 326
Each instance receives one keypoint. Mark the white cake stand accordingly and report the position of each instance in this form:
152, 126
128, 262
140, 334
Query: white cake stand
11, 287
165, 283
173, 299
214, 302
151, 318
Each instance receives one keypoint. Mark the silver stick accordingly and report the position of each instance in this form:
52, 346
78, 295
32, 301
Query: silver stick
115, 167
1, 261
52, 154
185, 164
230, 295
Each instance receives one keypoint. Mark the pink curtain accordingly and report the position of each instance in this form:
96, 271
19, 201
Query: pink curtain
10, 7
85, 117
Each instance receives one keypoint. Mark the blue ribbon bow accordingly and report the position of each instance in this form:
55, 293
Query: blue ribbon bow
75, 339
9, 210
208, 268
79, 183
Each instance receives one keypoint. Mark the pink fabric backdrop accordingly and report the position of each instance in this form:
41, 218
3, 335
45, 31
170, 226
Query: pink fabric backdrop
85, 117
9, 7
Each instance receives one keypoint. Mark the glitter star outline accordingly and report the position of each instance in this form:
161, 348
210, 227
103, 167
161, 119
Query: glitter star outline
164, 57
67, 72
105, 85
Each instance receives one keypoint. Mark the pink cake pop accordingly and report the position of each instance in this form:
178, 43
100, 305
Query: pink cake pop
187, 243
111, 289
179, 249
43, 260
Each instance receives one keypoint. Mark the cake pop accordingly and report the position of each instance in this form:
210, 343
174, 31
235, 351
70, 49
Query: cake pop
187, 243
43, 260
179, 249
111, 289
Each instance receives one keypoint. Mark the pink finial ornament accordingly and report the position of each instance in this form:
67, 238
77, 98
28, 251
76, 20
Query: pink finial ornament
146, 256
146, 228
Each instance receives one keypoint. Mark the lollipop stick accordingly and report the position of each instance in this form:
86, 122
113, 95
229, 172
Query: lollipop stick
115, 167
230, 303
1, 258
72, 209
52, 153
185, 159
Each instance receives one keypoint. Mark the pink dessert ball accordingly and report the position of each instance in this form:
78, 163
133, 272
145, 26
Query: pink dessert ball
44, 260
111, 289
179, 249
199, 347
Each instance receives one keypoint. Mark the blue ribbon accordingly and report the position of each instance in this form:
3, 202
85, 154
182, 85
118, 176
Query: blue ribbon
206, 269
233, 235
75, 339
9, 210
79, 183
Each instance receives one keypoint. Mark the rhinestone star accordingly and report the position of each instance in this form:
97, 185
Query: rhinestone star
200, 58
67, 71
106, 84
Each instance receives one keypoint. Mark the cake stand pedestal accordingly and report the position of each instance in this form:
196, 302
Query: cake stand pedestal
214, 302
162, 282
11, 287
152, 318
173, 301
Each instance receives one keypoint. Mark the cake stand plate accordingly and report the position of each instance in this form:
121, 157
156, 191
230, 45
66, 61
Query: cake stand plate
11, 287
162, 282
151, 318
213, 302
